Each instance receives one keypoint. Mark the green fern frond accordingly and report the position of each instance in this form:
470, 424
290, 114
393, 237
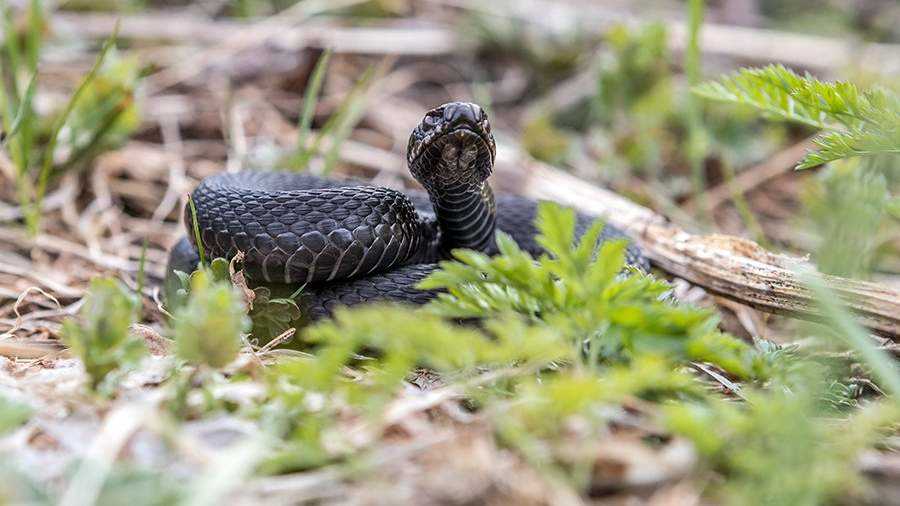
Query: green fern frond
770, 89
858, 142
856, 123
583, 291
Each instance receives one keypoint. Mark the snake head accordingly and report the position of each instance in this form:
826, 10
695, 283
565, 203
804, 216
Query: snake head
452, 146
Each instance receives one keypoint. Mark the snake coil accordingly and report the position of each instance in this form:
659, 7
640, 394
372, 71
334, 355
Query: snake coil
352, 243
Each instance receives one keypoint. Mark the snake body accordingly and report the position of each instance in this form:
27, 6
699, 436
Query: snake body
352, 243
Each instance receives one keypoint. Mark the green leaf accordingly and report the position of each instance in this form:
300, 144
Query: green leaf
856, 123
24, 109
195, 228
884, 368
858, 142
219, 268
100, 336
556, 228
208, 328
583, 291
271, 317
310, 99
12, 414
893, 207
772, 90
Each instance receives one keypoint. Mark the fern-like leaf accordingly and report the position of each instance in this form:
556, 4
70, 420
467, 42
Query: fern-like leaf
856, 123
840, 144
770, 89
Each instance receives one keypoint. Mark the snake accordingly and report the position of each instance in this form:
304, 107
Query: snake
347, 242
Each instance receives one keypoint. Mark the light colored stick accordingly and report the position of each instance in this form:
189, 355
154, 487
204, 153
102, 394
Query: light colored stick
191, 29
752, 45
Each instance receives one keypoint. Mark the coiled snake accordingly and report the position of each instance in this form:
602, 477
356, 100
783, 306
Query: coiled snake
352, 243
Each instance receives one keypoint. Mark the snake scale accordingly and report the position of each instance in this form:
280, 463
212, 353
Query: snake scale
351, 243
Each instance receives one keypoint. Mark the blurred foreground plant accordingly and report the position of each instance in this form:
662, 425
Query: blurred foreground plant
780, 447
208, 328
270, 314
563, 335
12, 414
100, 336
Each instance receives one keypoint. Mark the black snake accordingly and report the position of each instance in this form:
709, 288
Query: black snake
353, 243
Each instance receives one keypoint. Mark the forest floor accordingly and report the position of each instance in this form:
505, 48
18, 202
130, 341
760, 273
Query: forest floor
190, 92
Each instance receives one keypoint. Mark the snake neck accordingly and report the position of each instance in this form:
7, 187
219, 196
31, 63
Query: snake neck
466, 217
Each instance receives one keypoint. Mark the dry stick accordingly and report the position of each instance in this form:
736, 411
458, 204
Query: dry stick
29, 349
48, 282
425, 40
64, 246
746, 44
741, 43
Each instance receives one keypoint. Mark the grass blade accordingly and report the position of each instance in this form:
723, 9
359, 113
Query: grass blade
340, 126
23, 108
12, 49
47, 164
838, 318
35, 28
195, 225
310, 99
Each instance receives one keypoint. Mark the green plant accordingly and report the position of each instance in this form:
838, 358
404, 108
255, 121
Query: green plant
12, 414
635, 101
270, 315
337, 127
847, 205
562, 337
780, 447
855, 123
545, 141
640, 119
697, 142
100, 336
843, 327
100, 112
208, 328
859, 132
580, 290
309, 395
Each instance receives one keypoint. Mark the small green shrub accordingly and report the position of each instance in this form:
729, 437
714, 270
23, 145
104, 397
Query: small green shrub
100, 336
781, 447
585, 293
270, 315
208, 328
